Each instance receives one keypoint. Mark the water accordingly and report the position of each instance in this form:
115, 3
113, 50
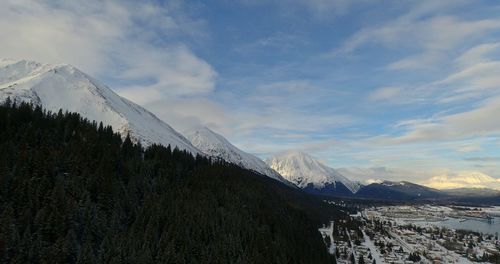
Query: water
481, 226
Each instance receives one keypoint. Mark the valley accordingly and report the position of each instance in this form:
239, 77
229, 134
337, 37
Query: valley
249, 132
397, 234
396, 224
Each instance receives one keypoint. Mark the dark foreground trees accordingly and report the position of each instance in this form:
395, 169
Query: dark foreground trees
72, 191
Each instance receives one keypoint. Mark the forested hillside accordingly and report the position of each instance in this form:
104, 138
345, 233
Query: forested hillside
71, 191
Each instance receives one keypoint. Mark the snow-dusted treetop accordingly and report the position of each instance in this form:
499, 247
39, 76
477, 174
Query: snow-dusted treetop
64, 87
217, 146
302, 170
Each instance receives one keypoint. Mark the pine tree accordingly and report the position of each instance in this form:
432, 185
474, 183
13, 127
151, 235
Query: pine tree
82, 195
361, 259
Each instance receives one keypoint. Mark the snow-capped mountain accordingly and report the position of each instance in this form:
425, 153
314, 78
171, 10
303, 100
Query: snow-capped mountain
308, 173
64, 87
217, 146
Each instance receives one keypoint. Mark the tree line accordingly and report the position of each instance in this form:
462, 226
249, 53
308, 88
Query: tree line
74, 191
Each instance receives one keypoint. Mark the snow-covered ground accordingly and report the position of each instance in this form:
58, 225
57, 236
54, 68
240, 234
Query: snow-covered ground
302, 169
428, 241
376, 235
327, 231
373, 249
64, 87
217, 146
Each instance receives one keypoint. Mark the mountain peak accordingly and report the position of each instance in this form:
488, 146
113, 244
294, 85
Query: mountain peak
63, 86
215, 145
304, 170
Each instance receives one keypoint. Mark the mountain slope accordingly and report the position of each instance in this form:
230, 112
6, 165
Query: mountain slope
311, 175
468, 192
73, 193
217, 146
64, 87
389, 190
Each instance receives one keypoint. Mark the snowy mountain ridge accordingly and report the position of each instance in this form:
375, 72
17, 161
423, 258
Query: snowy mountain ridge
215, 145
303, 170
64, 87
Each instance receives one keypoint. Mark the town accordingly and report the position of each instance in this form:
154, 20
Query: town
393, 234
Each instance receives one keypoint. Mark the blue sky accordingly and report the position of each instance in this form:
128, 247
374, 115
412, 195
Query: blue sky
385, 89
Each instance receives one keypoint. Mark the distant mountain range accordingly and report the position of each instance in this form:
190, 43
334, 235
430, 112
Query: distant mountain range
406, 192
63, 86
478, 192
56, 87
398, 191
316, 178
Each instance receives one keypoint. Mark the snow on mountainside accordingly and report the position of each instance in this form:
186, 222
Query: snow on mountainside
303, 170
217, 146
64, 87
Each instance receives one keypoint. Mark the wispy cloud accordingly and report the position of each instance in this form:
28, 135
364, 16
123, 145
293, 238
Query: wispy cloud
385, 93
136, 43
478, 122
424, 28
477, 54
377, 174
321, 9
483, 159
475, 76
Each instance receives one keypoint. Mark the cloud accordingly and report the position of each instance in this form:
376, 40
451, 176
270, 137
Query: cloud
475, 74
317, 8
139, 45
176, 71
483, 159
424, 29
287, 107
335, 7
286, 119
188, 113
475, 81
464, 179
477, 54
277, 42
378, 174
265, 147
385, 93
477, 122
467, 148
436, 36
289, 92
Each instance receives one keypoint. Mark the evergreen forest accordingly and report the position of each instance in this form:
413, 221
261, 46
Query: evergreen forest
73, 191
